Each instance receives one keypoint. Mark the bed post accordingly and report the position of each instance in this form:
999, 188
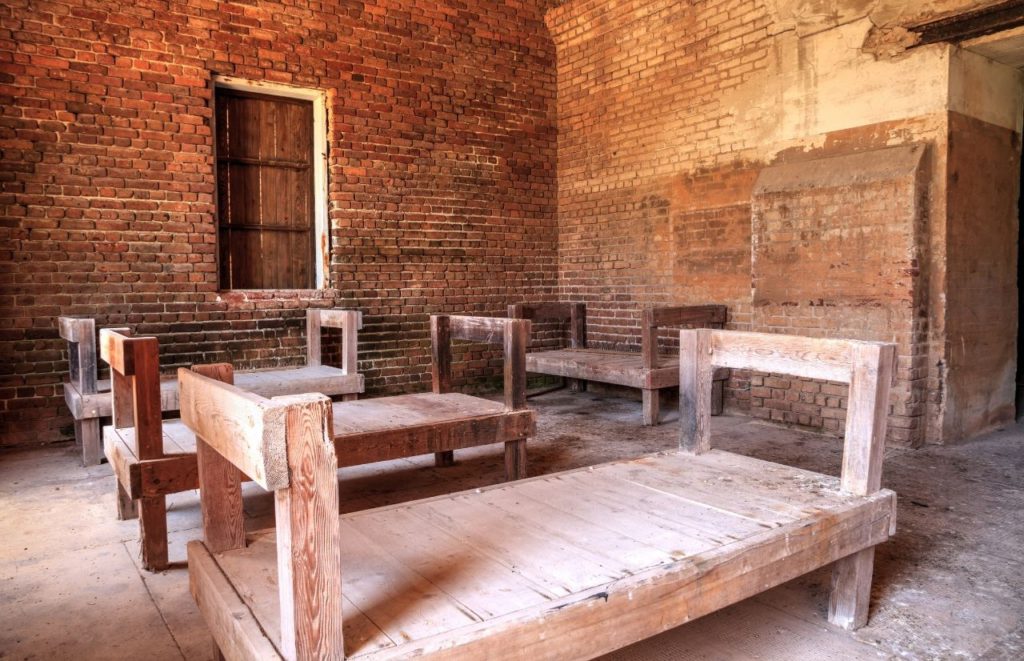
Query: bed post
309, 534
441, 371
863, 449
220, 483
285, 445
80, 335
649, 353
313, 334
695, 390
577, 338
516, 337
135, 384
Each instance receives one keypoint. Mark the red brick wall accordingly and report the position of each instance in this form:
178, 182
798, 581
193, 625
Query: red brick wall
656, 174
441, 177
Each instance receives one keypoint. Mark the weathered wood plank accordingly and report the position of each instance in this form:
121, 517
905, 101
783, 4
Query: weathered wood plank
246, 429
694, 392
810, 358
220, 484
308, 534
613, 614
684, 315
253, 572
234, 628
313, 350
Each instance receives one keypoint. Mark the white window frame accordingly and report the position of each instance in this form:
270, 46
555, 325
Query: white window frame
319, 98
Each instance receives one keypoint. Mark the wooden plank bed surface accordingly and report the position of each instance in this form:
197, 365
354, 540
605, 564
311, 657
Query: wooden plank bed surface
689, 532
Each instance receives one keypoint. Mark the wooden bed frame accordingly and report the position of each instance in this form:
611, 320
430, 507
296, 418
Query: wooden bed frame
567, 565
649, 370
89, 398
152, 458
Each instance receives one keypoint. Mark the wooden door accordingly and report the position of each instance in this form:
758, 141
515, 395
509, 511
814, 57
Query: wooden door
265, 191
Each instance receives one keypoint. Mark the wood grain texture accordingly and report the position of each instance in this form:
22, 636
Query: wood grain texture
385, 428
684, 315
220, 484
145, 396
850, 598
115, 351
153, 532
234, 628
441, 354
575, 564
516, 337
542, 311
810, 358
578, 325
515, 460
313, 335
695, 379
244, 428
651, 406
87, 433
867, 415
308, 535
489, 330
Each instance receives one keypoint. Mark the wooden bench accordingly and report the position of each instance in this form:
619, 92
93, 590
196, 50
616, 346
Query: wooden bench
89, 398
650, 370
153, 458
561, 566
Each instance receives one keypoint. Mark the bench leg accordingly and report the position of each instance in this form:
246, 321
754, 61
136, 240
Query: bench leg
87, 434
443, 459
851, 589
651, 407
126, 507
350, 397
577, 385
717, 394
515, 460
153, 532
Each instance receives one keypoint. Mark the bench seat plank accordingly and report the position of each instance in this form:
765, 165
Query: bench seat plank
561, 544
274, 382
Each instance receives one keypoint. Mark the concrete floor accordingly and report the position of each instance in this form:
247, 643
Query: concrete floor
949, 586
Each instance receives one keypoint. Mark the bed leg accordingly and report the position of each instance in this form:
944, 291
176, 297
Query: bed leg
651, 407
717, 395
443, 459
126, 507
153, 532
851, 589
515, 460
87, 433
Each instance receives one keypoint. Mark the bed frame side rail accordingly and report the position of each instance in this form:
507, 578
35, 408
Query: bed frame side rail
286, 445
867, 367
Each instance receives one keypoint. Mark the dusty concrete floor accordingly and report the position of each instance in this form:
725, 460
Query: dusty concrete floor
949, 586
